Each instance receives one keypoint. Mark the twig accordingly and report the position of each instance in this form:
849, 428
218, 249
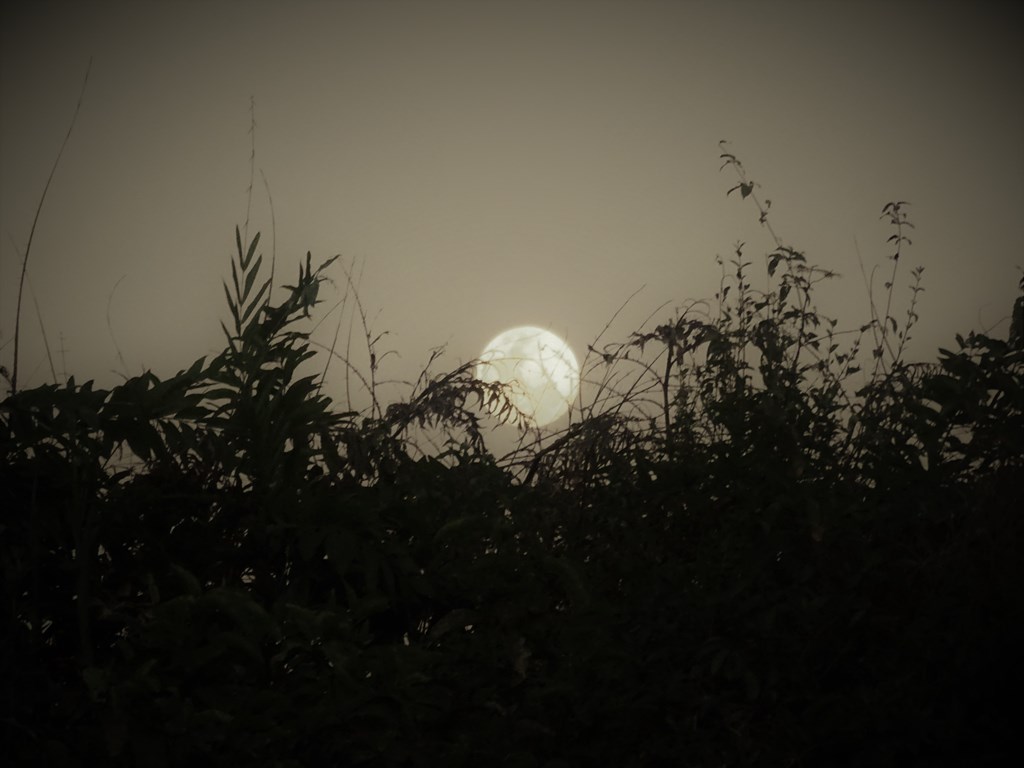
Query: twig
110, 328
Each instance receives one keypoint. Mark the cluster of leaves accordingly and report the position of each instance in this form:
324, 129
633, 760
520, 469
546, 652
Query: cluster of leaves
744, 560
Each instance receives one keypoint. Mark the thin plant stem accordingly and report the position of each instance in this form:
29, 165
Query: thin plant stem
32, 232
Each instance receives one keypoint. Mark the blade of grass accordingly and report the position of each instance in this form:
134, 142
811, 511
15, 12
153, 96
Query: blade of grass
35, 221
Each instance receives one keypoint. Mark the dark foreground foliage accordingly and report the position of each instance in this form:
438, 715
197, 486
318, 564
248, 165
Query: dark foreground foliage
762, 565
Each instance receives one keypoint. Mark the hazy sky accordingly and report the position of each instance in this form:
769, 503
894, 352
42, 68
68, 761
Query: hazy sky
490, 164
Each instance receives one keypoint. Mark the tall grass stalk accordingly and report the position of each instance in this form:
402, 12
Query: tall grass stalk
35, 222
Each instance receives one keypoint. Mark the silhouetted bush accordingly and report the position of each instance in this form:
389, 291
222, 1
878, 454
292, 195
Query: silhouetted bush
741, 558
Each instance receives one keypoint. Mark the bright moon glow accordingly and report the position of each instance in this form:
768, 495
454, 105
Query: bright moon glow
539, 368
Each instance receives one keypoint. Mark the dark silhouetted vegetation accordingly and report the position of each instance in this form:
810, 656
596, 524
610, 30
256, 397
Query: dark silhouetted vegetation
757, 544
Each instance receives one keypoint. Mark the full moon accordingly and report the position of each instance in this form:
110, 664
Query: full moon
539, 368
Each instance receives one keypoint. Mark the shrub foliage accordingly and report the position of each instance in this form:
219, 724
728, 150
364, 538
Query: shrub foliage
756, 546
